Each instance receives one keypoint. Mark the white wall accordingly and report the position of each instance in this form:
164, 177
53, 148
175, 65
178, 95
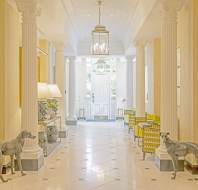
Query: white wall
66, 62
134, 84
52, 62
186, 104
81, 77
12, 42
121, 84
129, 83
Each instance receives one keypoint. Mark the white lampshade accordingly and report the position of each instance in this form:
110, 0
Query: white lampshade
55, 91
43, 91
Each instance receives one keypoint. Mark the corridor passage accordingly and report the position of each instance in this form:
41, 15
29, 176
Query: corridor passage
99, 156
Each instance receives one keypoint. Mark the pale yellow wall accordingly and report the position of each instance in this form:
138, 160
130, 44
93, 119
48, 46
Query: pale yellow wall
183, 42
67, 87
9, 72
195, 68
44, 64
157, 76
191, 128
2, 66
188, 43
12, 38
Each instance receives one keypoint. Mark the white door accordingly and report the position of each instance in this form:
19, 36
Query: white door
100, 107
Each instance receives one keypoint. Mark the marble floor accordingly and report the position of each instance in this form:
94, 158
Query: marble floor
99, 156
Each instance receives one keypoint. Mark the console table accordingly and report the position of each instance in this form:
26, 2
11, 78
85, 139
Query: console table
43, 141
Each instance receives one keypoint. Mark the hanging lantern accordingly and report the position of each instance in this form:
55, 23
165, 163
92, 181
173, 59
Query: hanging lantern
100, 38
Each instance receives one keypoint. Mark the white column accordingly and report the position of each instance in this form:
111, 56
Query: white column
169, 120
168, 111
60, 79
32, 153
150, 78
129, 83
72, 120
140, 80
52, 62
134, 83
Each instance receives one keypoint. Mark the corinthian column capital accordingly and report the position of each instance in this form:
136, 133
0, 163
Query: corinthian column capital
72, 59
129, 59
139, 43
170, 8
29, 8
59, 46
172, 5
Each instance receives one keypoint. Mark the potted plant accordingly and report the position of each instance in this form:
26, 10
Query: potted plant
53, 106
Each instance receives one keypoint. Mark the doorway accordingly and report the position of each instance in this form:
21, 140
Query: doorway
100, 96
102, 82
101, 87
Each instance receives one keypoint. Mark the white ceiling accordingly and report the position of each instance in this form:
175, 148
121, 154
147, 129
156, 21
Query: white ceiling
116, 16
73, 20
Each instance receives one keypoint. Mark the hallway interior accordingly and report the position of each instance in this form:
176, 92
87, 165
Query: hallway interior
90, 159
81, 79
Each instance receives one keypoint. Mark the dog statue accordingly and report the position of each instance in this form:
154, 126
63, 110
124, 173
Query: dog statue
14, 148
178, 149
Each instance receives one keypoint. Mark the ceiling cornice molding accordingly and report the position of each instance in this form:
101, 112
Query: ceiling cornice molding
139, 19
72, 31
172, 5
41, 34
131, 19
72, 25
59, 46
12, 3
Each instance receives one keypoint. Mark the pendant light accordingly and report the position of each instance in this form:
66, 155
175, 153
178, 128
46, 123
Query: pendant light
100, 37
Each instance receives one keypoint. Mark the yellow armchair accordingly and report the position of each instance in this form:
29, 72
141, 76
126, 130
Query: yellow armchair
127, 114
132, 120
138, 130
150, 139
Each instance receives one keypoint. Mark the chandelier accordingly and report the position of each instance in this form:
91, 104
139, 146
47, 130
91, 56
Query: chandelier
100, 37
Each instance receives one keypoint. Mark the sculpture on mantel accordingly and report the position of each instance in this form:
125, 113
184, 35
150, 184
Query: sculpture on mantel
178, 149
14, 148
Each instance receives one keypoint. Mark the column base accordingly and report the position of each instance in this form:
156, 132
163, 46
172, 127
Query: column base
71, 121
191, 164
164, 163
31, 160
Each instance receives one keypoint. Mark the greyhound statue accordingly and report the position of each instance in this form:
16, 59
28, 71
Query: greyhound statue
178, 149
14, 148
